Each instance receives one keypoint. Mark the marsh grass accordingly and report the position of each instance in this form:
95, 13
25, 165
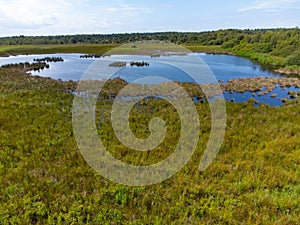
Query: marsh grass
45, 180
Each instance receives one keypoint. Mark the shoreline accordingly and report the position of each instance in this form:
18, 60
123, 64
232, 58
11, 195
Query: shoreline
8, 51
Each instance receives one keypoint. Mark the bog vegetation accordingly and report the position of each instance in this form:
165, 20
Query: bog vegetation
45, 180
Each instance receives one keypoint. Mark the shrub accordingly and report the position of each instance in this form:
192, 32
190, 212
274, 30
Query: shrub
294, 59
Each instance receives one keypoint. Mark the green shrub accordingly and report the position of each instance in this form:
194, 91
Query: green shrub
294, 59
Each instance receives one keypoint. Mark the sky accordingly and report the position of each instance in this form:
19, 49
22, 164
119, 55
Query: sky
54, 17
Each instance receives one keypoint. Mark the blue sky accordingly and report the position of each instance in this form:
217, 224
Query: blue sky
51, 17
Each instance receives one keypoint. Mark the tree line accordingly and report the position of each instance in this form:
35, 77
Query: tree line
281, 42
228, 38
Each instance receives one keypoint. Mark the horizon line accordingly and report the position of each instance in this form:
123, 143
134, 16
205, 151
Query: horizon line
150, 32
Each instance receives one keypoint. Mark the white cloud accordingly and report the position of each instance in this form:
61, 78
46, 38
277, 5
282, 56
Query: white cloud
65, 16
19, 16
51, 17
269, 5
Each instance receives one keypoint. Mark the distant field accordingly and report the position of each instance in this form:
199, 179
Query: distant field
6, 50
202, 48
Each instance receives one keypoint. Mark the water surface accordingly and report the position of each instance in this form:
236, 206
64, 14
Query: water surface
224, 67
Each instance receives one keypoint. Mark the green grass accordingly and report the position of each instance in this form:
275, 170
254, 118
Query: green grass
6, 50
263, 58
203, 48
44, 179
269, 61
49, 49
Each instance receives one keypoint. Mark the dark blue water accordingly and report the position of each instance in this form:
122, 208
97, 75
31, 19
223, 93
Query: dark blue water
277, 101
224, 67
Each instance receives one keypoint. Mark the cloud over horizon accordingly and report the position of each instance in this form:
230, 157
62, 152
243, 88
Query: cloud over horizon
269, 5
41, 17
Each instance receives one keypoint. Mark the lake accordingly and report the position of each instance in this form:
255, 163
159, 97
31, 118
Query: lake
224, 67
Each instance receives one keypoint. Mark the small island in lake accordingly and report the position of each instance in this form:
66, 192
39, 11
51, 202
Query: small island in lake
139, 64
117, 64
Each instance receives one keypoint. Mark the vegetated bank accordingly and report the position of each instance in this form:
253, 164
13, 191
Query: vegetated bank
45, 180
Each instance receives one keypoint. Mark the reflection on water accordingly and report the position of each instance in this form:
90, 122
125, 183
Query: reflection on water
227, 67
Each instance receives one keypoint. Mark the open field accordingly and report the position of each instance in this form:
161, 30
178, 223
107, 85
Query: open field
212, 49
6, 50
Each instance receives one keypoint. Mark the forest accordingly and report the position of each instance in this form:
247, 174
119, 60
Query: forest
273, 38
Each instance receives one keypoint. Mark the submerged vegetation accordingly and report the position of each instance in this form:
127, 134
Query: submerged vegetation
45, 180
